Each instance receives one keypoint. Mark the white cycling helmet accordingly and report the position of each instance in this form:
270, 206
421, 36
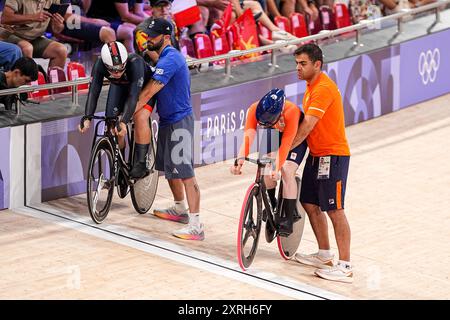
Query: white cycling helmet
114, 56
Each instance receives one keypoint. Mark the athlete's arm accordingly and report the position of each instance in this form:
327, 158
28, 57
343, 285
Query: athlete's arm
291, 119
97, 75
249, 136
149, 91
249, 132
136, 73
165, 69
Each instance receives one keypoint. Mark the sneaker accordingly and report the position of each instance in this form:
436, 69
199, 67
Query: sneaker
337, 273
314, 260
172, 214
190, 233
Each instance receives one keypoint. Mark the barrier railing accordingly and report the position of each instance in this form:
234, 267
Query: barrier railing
365, 24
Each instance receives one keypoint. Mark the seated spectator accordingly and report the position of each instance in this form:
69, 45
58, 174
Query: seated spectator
84, 28
364, 10
23, 72
308, 7
277, 8
394, 6
118, 14
9, 53
418, 3
163, 9
277, 34
211, 10
27, 22
160, 9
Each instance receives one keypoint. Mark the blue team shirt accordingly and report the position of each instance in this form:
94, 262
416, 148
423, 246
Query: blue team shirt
174, 99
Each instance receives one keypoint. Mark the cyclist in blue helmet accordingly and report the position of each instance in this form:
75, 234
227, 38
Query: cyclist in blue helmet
274, 111
269, 108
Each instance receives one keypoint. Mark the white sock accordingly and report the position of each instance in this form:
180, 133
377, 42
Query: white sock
325, 253
194, 220
345, 264
180, 206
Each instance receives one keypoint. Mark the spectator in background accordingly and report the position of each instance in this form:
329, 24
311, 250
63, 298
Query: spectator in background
27, 22
364, 9
211, 10
160, 9
394, 6
163, 9
9, 53
277, 34
121, 18
80, 27
418, 3
23, 71
277, 8
308, 7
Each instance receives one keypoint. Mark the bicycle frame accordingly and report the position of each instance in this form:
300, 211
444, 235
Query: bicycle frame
259, 181
119, 162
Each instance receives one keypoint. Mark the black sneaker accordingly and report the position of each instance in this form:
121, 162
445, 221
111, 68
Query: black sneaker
139, 171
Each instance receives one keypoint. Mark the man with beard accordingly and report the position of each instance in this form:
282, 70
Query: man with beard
171, 86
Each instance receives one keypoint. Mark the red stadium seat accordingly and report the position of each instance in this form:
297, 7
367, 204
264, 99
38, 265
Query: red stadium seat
57, 74
314, 26
328, 18
264, 31
298, 24
220, 44
39, 81
283, 23
203, 46
233, 37
187, 47
341, 15
75, 71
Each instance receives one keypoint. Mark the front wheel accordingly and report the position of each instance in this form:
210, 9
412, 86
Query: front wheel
249, 227
143, 192
100, 180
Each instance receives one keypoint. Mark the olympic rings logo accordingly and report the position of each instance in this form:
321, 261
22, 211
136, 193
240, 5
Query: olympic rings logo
429, 65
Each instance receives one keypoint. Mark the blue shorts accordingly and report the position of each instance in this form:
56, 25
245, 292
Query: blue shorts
175, 151
327, 193
271, 141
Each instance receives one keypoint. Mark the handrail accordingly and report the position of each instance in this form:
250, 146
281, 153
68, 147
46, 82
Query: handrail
239, 53
327, 34
47, 86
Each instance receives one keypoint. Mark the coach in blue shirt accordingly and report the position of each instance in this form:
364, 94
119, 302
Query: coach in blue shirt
171, 85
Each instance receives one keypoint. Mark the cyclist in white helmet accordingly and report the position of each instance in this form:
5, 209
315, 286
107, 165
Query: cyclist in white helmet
127, 74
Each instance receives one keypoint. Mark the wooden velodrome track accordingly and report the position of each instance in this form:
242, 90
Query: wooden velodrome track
397, 201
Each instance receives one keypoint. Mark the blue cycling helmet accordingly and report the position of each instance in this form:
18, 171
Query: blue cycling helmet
269, 108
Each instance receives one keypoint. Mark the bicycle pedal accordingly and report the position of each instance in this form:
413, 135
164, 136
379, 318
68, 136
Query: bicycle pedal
284, 234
